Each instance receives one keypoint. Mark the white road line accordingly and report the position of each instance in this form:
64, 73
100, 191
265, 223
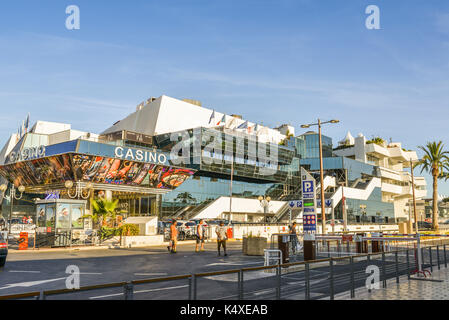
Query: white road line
20, 271
90, 273
141, 291
30, 283
232, 264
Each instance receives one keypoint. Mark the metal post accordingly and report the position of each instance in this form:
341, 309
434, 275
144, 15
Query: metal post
240, 287
438, 257
279, 279
419, 252
190, 288
339, 248
445, 259
431, 263
408, 265
128, 291
384, 277
351, 259
397, 266
331, 278
193, 287
307, 279
323, 209
41, 296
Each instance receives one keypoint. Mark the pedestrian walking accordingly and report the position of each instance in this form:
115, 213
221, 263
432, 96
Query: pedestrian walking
222, 237
200, 233
173, 237
293, 237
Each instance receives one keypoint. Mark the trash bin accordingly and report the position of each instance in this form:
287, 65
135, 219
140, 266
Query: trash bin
309, 247
283, 243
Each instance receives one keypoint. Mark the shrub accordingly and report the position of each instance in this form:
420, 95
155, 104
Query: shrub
128, 230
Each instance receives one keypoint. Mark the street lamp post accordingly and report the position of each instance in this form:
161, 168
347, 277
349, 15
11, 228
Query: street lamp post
265, 203
12, 195
319, 124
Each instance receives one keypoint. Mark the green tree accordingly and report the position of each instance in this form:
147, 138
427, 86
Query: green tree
436, 162
185, 197
103, 209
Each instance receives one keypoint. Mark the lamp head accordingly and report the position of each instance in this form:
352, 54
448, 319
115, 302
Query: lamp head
260, 198
21, 189
335, 121
69, 184
305, 126
3, 187
268, 199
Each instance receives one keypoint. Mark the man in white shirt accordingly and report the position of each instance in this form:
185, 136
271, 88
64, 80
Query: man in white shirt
222, 236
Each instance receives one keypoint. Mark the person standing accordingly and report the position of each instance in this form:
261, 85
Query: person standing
200, 233
222, 236
293, 237
173, 237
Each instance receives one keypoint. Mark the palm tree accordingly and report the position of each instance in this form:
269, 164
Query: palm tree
435, 162
103, 209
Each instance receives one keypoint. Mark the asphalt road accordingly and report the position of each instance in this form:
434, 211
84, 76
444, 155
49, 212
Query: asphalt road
36, 271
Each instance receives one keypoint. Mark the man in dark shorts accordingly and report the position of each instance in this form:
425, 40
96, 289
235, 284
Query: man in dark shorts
173, 237
200, 233
222, 236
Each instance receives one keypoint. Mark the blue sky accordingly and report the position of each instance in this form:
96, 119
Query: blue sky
273, 62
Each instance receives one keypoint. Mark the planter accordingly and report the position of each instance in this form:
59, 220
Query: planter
254, 246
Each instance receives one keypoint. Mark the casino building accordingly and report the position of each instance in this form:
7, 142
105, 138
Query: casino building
176, 158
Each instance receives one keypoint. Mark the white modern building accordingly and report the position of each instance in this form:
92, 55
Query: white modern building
392, 161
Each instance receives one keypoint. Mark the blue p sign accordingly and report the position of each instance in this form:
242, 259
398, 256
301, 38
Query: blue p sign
307, 186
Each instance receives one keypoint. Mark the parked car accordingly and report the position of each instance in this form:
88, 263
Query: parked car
424, 225
3, 251
337, 221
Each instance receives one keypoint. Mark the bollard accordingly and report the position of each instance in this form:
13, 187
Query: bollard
193, 287
279, 283
307, 279
190, 288
384, 278
438, 257
351, 259
431, 263
445, 260
408, 265
331, 278
128, 291
41, 296
240, 286
397, 266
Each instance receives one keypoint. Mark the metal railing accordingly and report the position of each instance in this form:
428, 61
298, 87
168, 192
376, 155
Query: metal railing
305, 280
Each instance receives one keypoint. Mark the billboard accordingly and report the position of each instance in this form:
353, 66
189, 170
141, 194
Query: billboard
95, 169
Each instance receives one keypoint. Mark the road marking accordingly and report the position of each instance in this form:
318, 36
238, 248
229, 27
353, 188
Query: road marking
30, 283
150, 274
23, 271
91, 273
141, 291
232, 264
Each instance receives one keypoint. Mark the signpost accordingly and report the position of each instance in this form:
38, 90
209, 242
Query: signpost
309, 204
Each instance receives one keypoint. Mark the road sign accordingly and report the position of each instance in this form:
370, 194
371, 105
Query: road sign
295, 204
309, 222
328, 203
308, 201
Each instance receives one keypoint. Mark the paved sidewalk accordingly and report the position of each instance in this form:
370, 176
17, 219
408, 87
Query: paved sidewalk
436, 289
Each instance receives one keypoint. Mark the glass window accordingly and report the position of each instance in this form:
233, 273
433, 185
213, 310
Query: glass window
50, 216
63, 216
77, 213
41, 215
